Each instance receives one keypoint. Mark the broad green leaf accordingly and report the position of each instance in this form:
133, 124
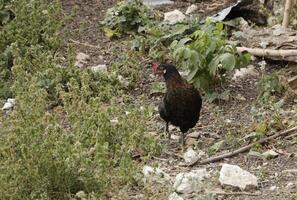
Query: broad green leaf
195, 59
173, 44
213, 66
182, 42
228, 61
187, 53
211, 48
192, 73
179, 29
202, 81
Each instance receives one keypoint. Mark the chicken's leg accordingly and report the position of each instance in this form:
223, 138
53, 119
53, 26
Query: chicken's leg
167, 130
183, 141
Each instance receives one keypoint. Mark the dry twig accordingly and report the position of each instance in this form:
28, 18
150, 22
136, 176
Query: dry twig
291, 136
293, 82
237, 193
84, 44
243, 149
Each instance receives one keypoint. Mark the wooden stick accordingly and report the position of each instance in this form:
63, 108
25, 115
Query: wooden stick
290, 171
84, 44
293, 82
288, 6
291, 136
237, 193
243, 149
268, 52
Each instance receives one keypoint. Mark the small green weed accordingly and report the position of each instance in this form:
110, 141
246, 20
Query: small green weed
36, 23
127, 16
269, 86
6, 13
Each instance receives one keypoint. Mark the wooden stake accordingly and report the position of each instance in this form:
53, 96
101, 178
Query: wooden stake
288, 7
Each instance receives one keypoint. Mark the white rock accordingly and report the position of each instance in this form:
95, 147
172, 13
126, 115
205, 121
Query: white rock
175, 196
114, 121
195, 134
82, 56
235, 176
270, 154
9, 104
191, 9
291, 185
81, 59
154, 174
81, 195
191, 181
99, 68
240, 97
174, 17
190, 155
243, 72
123, 81
157, 2
264, 44
262, 65
229, 121
273, 188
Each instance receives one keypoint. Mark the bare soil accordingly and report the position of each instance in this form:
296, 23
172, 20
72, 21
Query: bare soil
221, 120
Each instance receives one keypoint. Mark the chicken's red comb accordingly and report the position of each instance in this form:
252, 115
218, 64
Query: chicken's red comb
155, 66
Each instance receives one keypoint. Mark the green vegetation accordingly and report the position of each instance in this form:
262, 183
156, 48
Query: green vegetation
32, 29
202, 50
207, 55
76, 132
127, 16
68, 132
269, 85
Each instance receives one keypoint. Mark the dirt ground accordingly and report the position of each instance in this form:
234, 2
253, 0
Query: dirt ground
219, 119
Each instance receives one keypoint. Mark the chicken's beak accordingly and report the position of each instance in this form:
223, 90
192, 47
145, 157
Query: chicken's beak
155, 66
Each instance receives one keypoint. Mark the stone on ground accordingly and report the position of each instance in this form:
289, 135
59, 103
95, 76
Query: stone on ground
190, 181
174, 17
233, 175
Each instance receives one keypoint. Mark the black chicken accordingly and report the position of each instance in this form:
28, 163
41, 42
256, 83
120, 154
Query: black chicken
181, 104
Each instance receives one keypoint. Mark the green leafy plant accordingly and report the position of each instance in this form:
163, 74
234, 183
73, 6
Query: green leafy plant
158, 36
269, 85
127, 16
207, 55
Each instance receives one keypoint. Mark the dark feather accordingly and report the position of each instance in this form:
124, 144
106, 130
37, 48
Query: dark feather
182, 102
